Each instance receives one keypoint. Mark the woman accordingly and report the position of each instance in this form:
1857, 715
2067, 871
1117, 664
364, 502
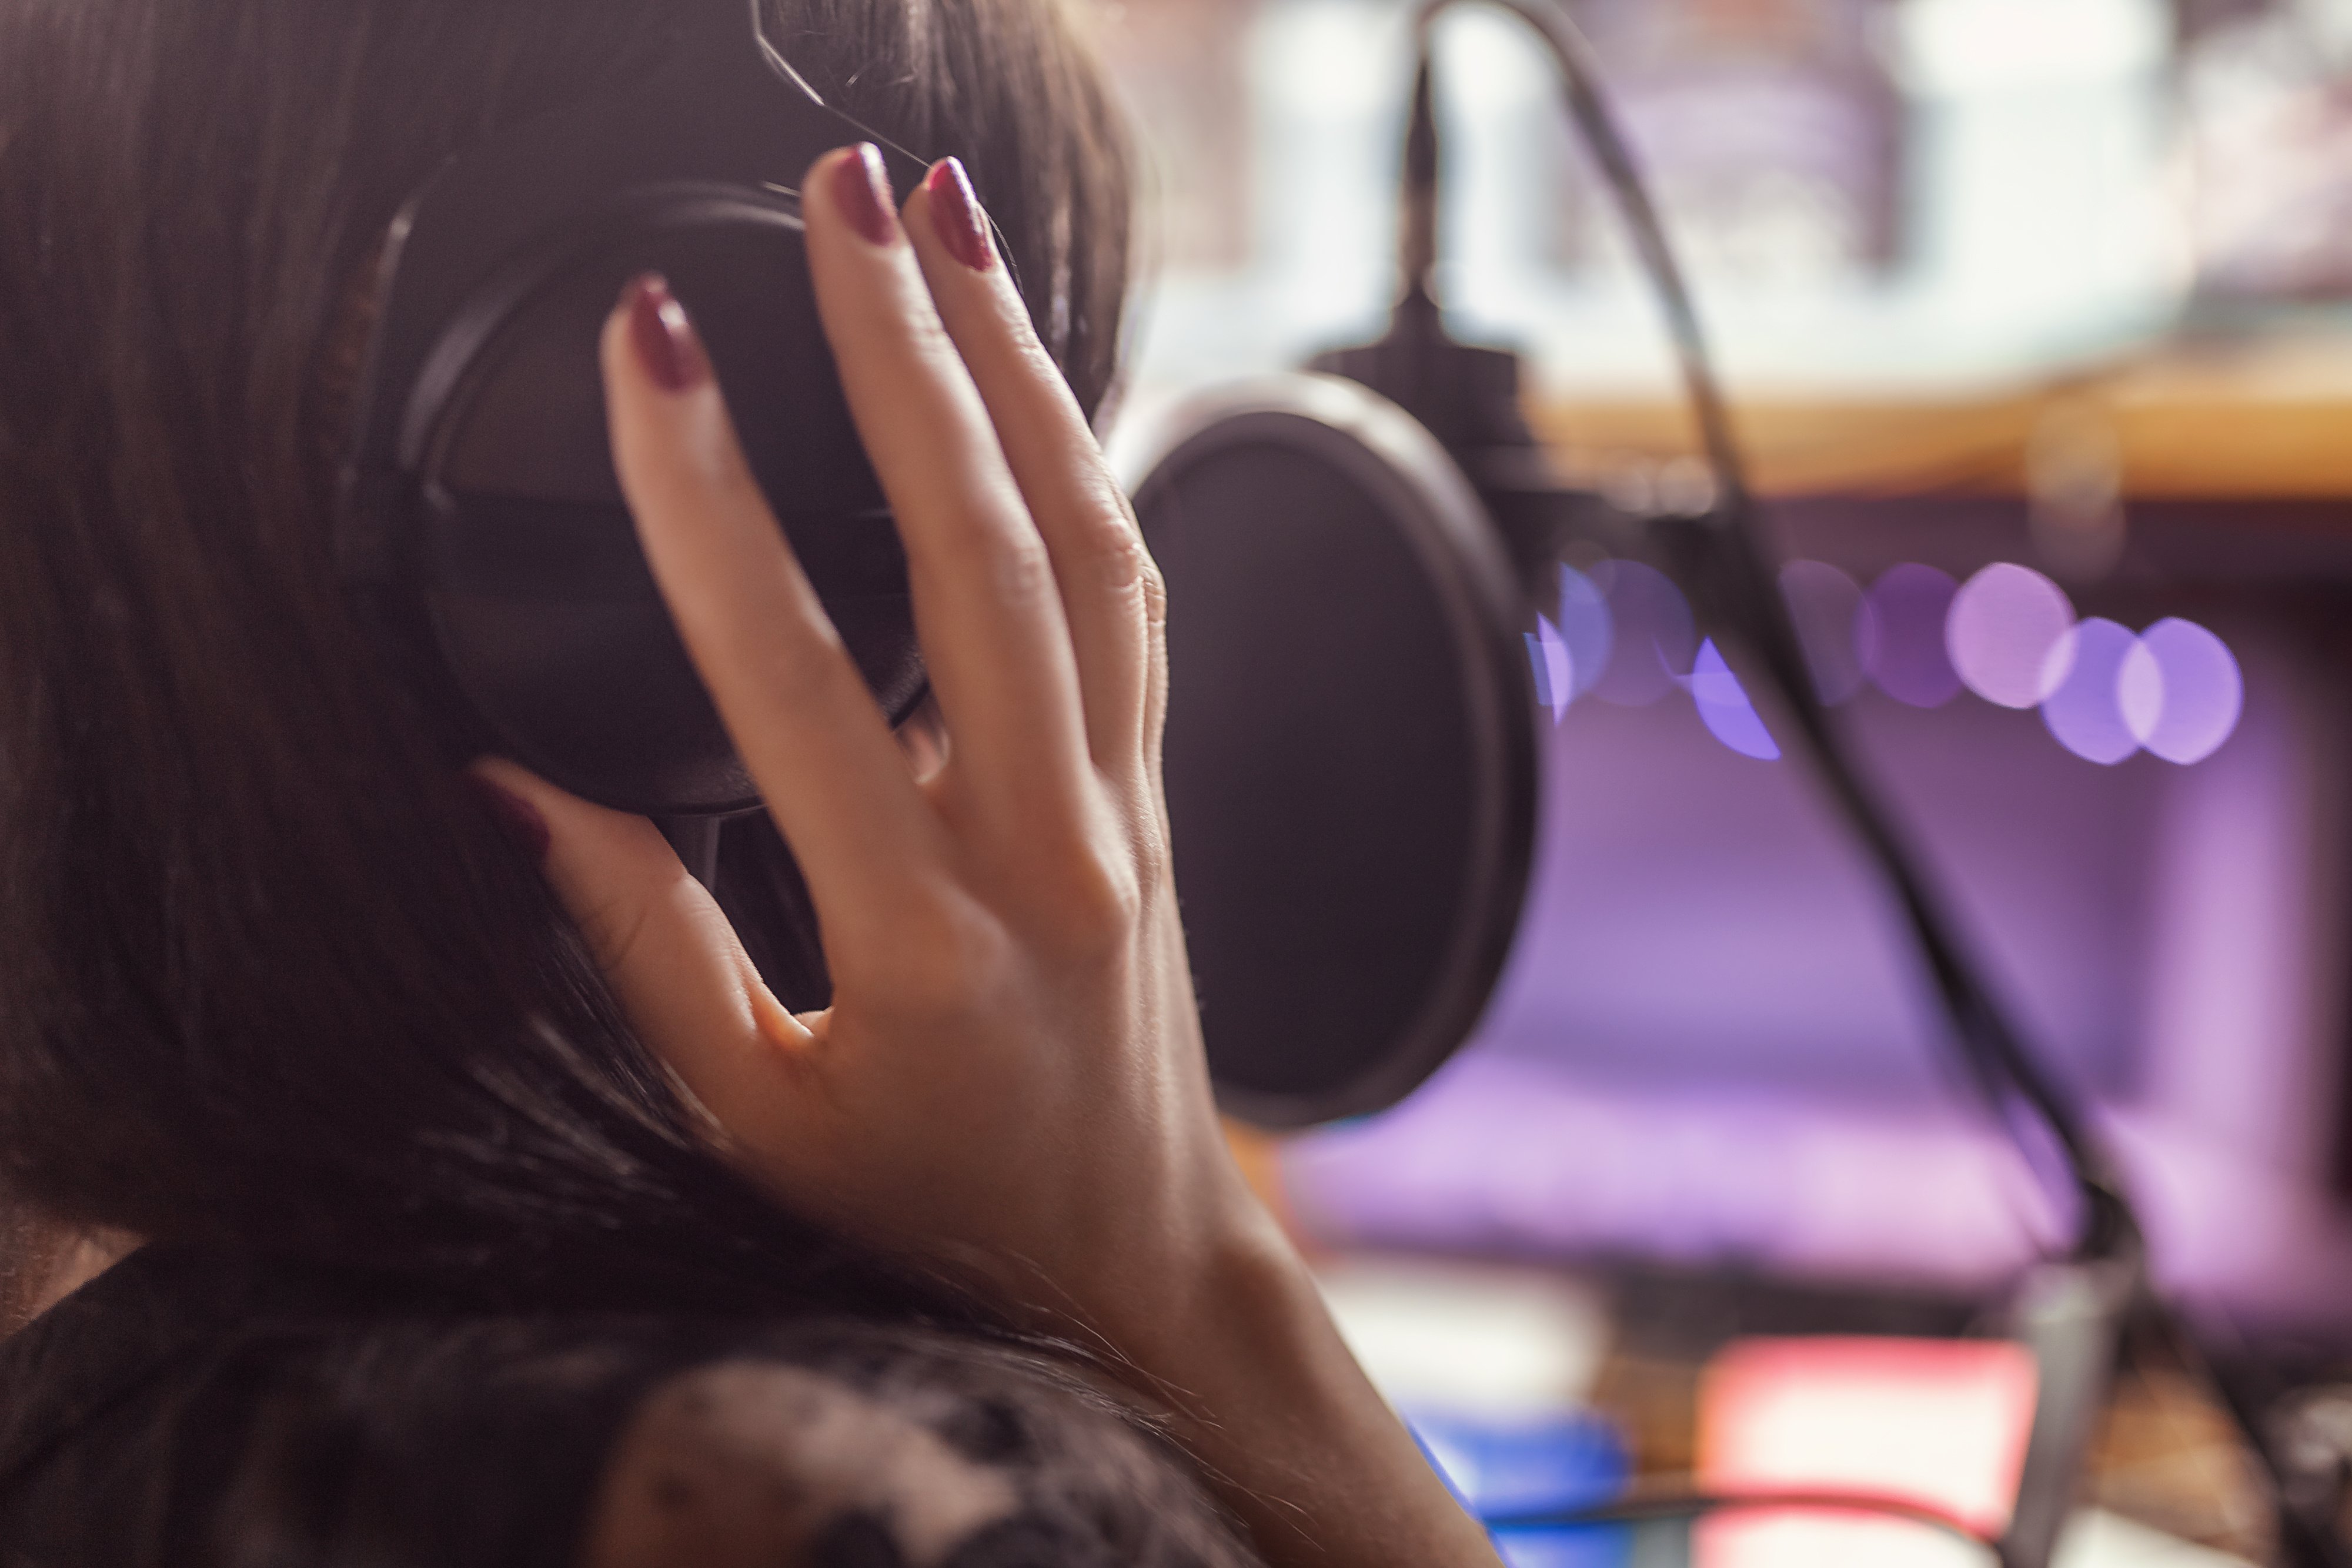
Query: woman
468, 1196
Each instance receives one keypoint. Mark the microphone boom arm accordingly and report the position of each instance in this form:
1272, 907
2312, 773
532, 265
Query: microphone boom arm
1723, 558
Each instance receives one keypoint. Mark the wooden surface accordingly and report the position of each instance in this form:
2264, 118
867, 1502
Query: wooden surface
2265, 418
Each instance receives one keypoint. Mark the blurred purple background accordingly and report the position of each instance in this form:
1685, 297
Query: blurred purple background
1712, 1049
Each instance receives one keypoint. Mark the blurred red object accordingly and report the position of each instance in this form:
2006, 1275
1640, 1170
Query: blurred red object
1938, 1423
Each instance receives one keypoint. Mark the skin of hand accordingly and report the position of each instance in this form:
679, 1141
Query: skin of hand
1011, 1078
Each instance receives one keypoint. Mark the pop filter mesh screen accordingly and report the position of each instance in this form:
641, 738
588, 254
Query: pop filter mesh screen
1350, 769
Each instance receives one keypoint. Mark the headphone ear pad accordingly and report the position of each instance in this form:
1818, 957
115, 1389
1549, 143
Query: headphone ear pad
598, 694
535, 594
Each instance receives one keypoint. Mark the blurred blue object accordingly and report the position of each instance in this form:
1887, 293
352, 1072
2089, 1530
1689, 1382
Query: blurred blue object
1517, 1465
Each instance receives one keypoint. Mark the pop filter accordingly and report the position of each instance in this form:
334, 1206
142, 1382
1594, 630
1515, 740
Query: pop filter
1351, 744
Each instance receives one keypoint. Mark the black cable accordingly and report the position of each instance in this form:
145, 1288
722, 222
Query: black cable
1669, 1503
1580, 71
1725, 563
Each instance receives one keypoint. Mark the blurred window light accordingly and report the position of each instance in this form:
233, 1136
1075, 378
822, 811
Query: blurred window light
1724, 708
1654, 636
1344, 42
1868, 193
2084, 710
1899, 635
1824, 603
1972, 45
2181, 691
2007, 634
1770, 130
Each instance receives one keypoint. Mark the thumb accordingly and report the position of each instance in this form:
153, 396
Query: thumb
667, 949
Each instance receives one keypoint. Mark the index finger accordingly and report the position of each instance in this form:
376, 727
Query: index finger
792, 700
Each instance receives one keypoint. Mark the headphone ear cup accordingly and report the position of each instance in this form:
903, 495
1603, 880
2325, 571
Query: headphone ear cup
1352, 744
533, 589
595, 691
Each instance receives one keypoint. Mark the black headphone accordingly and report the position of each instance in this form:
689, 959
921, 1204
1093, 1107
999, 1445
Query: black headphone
1352, 738
481, 523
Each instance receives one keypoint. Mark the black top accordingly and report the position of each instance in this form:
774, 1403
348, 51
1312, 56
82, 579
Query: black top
192, 1410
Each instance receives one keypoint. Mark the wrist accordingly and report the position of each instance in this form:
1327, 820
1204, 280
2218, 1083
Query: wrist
1254, 1380
1187, 1254
1243, 1309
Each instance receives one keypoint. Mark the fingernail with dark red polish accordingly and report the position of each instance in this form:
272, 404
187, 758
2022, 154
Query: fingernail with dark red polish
955, 211
517, 816
665, 340
862, 185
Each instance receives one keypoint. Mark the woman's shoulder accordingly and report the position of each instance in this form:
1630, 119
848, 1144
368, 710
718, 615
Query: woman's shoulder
876, 1450
177, 1414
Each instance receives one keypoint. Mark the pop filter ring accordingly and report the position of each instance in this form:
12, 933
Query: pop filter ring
1389, 458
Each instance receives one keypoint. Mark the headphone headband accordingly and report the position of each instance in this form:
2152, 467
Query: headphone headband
726, 110
481, 525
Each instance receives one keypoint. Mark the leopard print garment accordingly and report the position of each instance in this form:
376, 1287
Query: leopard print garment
179, 1412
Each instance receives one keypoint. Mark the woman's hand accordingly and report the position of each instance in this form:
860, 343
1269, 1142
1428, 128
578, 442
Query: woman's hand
1010, 1073
1010, 1078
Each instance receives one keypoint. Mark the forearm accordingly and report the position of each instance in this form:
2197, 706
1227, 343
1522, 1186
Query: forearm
1287, 1428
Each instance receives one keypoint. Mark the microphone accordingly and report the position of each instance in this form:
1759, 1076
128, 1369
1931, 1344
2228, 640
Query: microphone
1276, 504
1352, 744
1355, 557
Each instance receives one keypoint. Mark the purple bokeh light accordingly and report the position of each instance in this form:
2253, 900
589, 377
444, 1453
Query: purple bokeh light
1554, 670
1898, 636
2085, 709
1724, 708
1586, 627
1654, 637
1824, 602
2006, 634
2181, 691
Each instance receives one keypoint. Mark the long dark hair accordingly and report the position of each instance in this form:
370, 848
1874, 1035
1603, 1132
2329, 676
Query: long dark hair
271, 978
